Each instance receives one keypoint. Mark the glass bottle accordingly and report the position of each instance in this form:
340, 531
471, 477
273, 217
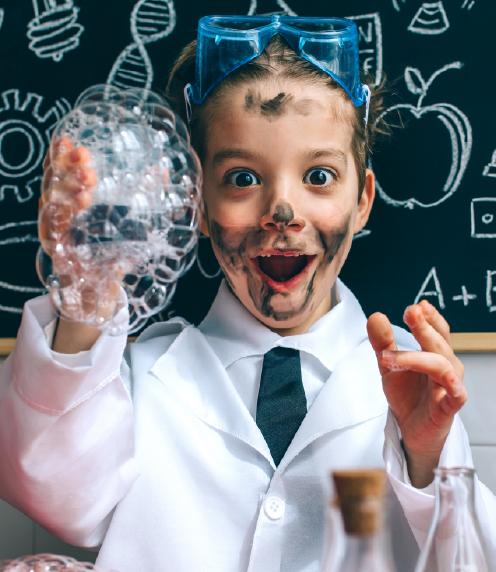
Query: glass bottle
454, 542
359, 497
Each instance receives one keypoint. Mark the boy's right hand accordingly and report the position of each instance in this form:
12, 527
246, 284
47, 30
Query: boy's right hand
68, 184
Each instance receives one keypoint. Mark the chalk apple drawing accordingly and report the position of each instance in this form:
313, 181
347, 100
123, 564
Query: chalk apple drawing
456, 123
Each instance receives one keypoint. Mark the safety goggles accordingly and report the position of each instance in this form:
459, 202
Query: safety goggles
225, 43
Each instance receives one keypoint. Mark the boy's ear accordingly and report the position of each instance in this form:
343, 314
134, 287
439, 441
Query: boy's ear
366, 201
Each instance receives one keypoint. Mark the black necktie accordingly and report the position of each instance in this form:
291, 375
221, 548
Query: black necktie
281, 404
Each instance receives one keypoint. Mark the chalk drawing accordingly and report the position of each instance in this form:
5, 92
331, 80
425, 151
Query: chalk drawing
14, 236
430, 19
361, 233
468, 4
54, 29
483, 217
2, 13
491, 290
490, 168
464, 297
24, 126
457, 124
431, 281
370, 44
151, 20
396, 4
270, 7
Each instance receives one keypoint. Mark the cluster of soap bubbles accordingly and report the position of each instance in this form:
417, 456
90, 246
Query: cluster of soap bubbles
46, 563
141, 229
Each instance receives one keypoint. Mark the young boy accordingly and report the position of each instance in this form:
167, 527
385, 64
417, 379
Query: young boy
209, 448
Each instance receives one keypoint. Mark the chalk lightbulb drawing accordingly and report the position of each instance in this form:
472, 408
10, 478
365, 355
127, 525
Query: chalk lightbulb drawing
459, 129
151, 20
54, 29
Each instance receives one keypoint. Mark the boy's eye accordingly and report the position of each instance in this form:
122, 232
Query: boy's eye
242, 179
319, 176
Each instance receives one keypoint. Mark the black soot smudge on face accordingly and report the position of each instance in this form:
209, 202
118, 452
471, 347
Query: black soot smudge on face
283, 213
273, 107
331, 242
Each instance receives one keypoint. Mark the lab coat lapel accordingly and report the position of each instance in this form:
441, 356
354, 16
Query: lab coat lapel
352, 394
193, 372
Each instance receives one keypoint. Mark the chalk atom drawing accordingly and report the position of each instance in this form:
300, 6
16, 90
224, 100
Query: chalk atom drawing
490, 168
16, 236
24, 128
151, 20
370, 44
430, 19
54, 29
483, 217
457, 124
270, 7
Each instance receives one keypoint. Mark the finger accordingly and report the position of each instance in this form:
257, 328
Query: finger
436, 319
380, 332
433, 365
428, 337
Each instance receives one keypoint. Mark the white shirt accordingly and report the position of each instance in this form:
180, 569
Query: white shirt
163, 463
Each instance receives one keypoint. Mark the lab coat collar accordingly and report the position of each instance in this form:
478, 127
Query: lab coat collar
234, 333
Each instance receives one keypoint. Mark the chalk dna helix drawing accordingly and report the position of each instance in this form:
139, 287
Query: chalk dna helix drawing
151, 20
26, 128
54, 30
455, 121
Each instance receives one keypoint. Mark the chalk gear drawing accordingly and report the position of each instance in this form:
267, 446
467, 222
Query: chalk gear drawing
23, 125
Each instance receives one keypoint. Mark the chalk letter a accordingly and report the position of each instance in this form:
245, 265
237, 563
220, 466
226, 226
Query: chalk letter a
424, 292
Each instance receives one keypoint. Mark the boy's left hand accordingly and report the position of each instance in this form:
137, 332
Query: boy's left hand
424, 388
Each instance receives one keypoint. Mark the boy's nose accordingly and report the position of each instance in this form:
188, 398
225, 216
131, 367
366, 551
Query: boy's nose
282, 217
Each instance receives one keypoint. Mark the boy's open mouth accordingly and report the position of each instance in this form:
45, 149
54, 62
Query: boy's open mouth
283, 269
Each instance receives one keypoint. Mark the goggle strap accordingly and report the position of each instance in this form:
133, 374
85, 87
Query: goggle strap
366, 89
187, 102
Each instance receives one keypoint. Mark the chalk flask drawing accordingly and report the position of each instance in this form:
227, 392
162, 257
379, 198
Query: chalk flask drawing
151, 20
54, 30
430, 19
455, 121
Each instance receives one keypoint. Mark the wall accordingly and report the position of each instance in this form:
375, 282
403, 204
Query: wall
19, 535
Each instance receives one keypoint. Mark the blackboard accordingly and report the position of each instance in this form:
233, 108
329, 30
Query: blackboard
433, 227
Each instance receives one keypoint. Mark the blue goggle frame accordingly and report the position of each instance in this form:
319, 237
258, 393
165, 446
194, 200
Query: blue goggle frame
225, 43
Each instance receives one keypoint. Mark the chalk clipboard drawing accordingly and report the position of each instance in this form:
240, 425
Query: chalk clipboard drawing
370, 44
15, 236
272, 7
24, 126
457, 124
483, 217
430, 19
490, 168
54, 30
151, 20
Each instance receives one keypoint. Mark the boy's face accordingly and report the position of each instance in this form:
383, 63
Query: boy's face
281, 197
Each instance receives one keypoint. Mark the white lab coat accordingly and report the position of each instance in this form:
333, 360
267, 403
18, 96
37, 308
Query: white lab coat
198, 490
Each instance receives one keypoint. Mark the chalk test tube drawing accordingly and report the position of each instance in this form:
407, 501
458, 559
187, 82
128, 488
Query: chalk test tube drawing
457, 124
490, 168
24, 137
270, 7
54, 29
483, 217
151, 20
16, 240
370, 44
430, 19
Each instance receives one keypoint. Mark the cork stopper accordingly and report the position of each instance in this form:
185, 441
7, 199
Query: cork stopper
359, 495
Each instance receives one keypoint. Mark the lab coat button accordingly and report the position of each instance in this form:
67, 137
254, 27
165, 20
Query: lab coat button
274, 507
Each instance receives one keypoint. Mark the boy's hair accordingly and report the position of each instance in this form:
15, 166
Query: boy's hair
277, 61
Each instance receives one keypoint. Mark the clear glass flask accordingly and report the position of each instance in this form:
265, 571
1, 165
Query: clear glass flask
454, 542
365, 547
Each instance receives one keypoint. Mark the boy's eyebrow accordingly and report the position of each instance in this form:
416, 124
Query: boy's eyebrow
224, 154
330, 152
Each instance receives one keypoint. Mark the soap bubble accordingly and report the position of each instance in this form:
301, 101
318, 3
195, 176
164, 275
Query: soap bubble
140, 230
